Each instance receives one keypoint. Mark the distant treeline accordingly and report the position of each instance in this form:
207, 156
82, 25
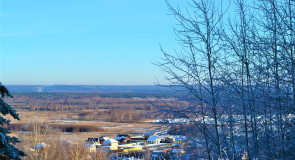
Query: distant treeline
114, 107
90, 88
102, 95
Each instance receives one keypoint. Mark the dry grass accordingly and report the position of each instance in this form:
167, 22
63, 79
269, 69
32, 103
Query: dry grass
61, 145
56, 149
64, 123
113, 115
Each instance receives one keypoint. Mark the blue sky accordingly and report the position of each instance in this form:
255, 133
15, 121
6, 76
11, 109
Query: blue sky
83, 42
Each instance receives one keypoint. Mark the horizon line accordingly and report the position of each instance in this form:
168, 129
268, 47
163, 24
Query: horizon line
82, 84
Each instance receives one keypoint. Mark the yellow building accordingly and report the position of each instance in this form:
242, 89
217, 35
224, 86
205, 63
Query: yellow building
132, 149
111, 144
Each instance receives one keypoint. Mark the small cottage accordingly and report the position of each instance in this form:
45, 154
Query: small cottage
123, 138
153, 140
150, 133
111, 143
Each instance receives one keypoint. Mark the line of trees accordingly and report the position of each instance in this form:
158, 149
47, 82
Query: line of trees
237, 68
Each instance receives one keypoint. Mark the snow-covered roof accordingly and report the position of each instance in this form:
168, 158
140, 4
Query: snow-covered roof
104, 138
121, 136
109, 141
152, 138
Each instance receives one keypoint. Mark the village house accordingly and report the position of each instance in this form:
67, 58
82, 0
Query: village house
178, 138
102, 139
153, 140
123, 138
110, 144
133, 149
150, 133
92, 140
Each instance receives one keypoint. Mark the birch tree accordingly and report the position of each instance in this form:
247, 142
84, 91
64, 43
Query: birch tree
237, 73
195, 70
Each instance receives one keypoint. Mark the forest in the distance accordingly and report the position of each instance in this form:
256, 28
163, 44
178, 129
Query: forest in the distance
90, 88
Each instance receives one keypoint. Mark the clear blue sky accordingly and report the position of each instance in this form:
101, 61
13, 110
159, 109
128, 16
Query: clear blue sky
83, 41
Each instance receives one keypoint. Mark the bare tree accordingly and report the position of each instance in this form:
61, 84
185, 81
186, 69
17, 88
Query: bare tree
195, 69
238, 77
